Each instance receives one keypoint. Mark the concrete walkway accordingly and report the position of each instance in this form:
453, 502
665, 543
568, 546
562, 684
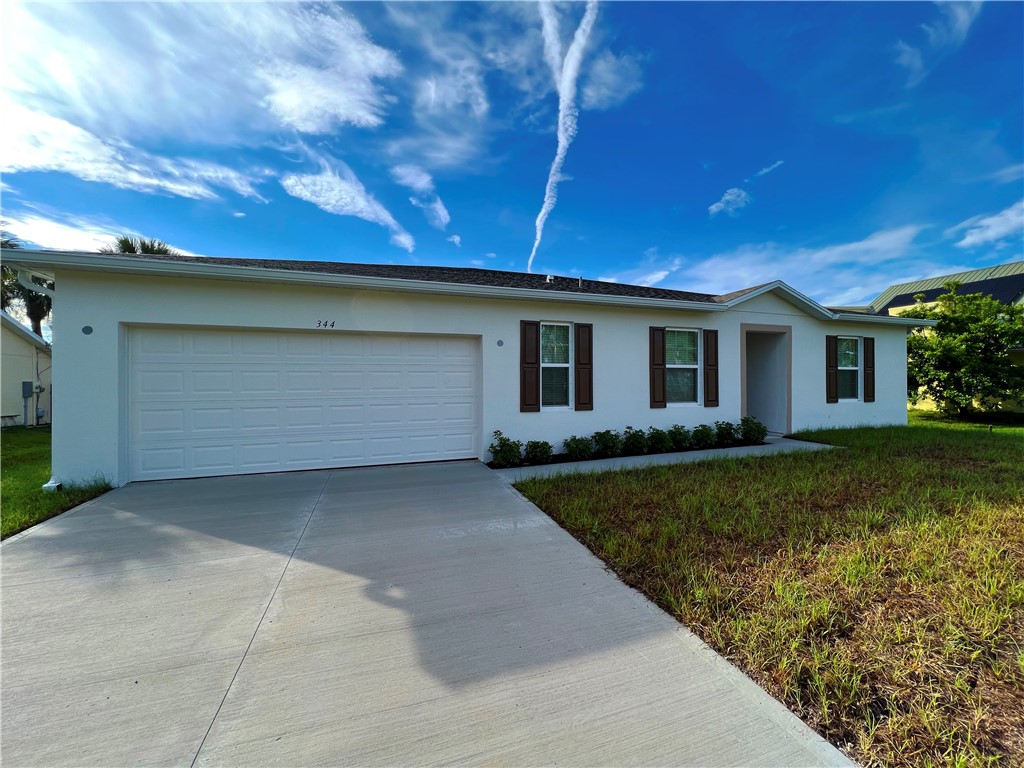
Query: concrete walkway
413, 615
774, 445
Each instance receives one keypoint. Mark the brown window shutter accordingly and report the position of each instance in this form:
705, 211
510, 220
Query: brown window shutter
529, 366
869, 369
583, 348
657, 367
710, 368
831, 369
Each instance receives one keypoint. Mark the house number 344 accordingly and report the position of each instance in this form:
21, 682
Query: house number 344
324, 323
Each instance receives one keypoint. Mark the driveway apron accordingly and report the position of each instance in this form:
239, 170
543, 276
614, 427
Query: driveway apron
410, 615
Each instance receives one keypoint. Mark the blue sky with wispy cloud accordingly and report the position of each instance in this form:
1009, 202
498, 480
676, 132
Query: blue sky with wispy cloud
837, 146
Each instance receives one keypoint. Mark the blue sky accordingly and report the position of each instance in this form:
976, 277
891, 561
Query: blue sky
707, 146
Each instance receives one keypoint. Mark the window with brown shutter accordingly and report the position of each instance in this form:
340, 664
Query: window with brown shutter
583, 342
657, 345
529, 366
869, 369
710, 368
831, 369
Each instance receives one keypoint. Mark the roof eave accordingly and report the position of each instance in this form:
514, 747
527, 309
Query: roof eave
63, 260
24, 332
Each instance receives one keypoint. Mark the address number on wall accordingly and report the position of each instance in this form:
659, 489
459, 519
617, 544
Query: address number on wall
324, 323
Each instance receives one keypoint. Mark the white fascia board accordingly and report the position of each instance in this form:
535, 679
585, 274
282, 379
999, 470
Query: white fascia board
54, 261
812, 307
909, 322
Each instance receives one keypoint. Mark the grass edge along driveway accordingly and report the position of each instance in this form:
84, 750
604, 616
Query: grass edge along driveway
878, 591
24, 467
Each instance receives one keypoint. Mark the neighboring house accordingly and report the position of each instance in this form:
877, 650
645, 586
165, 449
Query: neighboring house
1003, 282
24, 358
183, 367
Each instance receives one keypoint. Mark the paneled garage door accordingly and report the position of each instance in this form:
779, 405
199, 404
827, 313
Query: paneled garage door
230, 402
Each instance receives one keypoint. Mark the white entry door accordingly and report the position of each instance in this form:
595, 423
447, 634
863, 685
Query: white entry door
207, 403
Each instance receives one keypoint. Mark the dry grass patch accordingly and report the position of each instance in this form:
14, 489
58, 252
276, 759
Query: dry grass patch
878, 590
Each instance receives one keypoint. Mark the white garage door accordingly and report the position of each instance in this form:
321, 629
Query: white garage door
229, 402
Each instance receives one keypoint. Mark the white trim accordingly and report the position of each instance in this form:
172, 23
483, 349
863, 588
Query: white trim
568, 366
859, 368
696, 367
78, 261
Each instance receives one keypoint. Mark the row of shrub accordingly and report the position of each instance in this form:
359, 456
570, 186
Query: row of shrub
608, 443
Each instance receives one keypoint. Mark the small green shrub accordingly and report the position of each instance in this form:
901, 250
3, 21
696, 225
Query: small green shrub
607, 444
727, 434
752, 431
702, 438
579, 448
680, 437
505, 452
658, 441
634, 442
538, 452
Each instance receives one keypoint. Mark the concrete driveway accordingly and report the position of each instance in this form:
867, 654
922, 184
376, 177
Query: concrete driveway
414, 615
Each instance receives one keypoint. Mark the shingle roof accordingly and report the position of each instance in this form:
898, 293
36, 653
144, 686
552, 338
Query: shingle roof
456, 275
1004, 282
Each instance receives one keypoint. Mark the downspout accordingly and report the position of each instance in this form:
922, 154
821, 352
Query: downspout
25, 279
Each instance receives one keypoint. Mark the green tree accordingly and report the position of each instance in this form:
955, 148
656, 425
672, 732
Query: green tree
132, 244
963, 363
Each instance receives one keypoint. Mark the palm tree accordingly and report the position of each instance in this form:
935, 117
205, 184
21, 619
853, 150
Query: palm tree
141, 245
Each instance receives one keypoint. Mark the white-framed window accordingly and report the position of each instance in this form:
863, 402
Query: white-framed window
849, 365
555, 365
682, 357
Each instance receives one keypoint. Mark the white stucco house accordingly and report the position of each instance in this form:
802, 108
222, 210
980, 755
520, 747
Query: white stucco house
172, 367
24, 369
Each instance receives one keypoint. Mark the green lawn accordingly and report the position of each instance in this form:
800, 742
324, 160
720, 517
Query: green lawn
24, 467
877, 589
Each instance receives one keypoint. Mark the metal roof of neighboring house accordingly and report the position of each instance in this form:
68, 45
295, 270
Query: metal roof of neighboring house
463, 281
11, 324
1004, 282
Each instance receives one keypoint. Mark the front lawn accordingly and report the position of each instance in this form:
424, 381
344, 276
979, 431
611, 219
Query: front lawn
877, 589
24, 467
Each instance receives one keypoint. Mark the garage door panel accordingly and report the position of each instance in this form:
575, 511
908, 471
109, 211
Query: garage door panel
220, 402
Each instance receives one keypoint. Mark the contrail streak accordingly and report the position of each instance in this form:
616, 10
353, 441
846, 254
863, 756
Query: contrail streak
565, 78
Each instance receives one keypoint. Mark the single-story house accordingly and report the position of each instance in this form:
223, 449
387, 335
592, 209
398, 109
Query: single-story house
175, 367
24, 375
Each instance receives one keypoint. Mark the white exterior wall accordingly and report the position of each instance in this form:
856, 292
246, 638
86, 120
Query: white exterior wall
19, 359
89, 438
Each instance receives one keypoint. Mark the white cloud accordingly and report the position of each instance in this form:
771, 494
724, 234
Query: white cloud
247, 72
421, 182
413, 177
567, 112
247, 67
993, 228
733, 200
652, 270
238, 215
491, 255
910, 58
437, 215
832, 274
477, 262
770, 168
945, 35
34, 141
955, 20
65, 232
1008, 175
338, 191
611, 80
455, 239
